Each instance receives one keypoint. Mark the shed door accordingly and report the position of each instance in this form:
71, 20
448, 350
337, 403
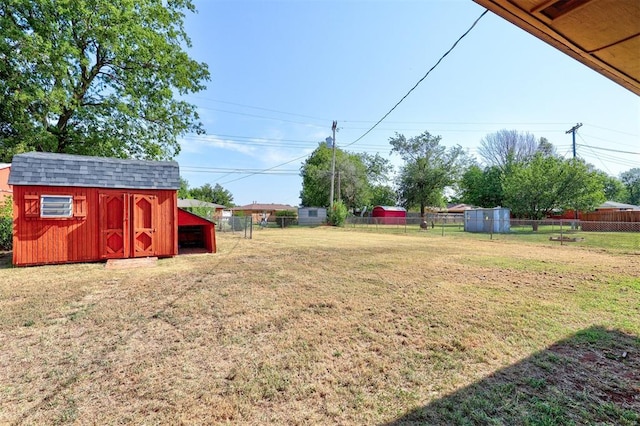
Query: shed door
114, 229
144, 208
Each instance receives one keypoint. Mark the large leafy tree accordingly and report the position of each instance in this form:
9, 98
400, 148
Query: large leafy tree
98, 77
358, 177
507, 147
377, 190
631, 180
383, 195
614, 190
535, 189
482, 188
316, 176
428, 169
212, 194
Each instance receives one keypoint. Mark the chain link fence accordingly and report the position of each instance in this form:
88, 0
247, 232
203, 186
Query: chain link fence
245, 225
623, 236
242, 225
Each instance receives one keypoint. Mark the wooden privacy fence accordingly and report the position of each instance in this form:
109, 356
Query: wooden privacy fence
626, 221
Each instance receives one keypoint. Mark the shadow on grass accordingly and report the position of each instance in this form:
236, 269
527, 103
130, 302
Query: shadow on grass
593, 377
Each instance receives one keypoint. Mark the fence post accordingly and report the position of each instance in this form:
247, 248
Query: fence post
491, 224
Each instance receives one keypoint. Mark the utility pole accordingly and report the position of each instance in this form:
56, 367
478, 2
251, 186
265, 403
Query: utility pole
573, 132
333, 163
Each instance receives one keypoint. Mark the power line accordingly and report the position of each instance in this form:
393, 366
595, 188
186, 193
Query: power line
608, 140
602, 157
221, 170
261, 109
265, 170
612, 130
609, 149
390, 111
420, 81
259, 116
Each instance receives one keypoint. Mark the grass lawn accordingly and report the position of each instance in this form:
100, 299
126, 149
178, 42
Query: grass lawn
328, 326
624, 242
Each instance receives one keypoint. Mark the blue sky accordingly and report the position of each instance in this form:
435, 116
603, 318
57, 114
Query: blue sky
281, 71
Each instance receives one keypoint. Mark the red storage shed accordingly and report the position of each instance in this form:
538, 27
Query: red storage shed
195, 234
71, 208
389, 215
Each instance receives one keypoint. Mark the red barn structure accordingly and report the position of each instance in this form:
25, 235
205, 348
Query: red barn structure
71, 208
389, 215
195, 234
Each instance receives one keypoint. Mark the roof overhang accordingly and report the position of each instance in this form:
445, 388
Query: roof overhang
602, 34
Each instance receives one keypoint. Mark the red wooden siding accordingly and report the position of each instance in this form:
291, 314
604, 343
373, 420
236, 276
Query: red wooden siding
207, 229
106, 223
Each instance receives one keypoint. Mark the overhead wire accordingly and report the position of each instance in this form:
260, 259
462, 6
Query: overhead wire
379, 121
609, 149
604, 156
599, 158
421, 80
259, 116
612, 130
293, 143
261, 108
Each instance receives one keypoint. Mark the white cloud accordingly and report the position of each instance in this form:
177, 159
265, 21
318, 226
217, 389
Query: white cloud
200, 143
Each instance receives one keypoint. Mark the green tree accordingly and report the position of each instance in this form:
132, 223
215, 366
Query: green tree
183, 192
337, 215
535, 189
356, 176
352, 184
614, 190
428, 169
482, 188
212, 194
378, 168
378, 191
631, 180
546, 148
6, 223
96, 77
316, 176
383, 195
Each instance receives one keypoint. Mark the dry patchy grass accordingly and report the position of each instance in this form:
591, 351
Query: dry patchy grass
317, 326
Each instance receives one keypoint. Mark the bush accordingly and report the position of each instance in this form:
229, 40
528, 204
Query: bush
6, 224
286, 217
338, 214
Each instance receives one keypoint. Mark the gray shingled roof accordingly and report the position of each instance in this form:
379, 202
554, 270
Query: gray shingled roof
49, 169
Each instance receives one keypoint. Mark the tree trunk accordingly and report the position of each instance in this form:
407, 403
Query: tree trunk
534, 225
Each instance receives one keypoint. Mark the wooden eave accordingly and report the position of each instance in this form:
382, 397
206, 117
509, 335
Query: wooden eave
602, 34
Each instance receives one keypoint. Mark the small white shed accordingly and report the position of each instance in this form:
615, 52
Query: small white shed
312, 216
496, 220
